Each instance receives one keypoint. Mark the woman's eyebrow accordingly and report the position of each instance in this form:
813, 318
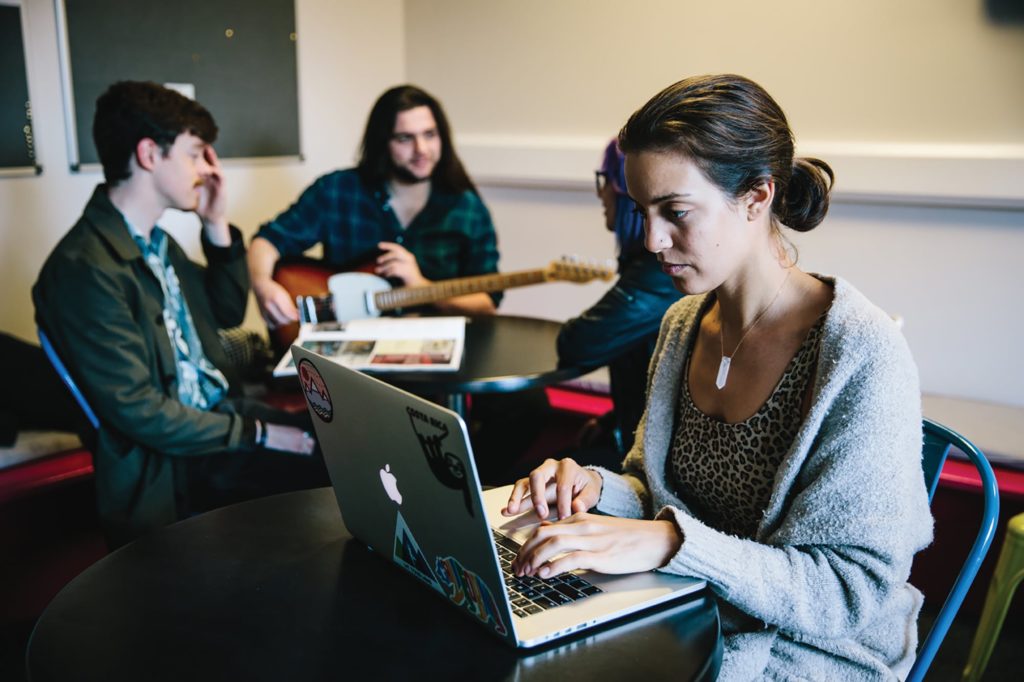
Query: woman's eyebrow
670, 195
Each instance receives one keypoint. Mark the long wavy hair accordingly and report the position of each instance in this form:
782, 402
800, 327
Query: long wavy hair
374, 164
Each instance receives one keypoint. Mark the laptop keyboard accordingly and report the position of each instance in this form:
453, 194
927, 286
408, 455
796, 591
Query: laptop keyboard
529, 595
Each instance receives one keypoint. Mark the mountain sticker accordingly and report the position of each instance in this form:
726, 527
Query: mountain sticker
316, 390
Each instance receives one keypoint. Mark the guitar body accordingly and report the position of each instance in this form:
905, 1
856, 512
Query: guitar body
359, 294
300, 277
352, 294
304, 278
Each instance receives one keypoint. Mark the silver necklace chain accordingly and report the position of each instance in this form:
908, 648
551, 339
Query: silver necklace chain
726, 362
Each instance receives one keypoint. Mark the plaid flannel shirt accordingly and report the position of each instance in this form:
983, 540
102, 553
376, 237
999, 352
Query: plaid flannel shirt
452, 236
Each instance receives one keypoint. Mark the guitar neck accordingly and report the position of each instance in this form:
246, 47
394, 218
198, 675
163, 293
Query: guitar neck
407, 297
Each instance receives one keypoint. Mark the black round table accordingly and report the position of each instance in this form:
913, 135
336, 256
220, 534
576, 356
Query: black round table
276, 589
503, 353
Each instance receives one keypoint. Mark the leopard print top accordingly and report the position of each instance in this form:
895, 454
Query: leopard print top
725, 472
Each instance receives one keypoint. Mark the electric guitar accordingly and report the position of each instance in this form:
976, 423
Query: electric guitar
322, 295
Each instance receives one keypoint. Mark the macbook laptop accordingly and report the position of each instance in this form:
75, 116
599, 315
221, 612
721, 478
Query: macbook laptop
406, 484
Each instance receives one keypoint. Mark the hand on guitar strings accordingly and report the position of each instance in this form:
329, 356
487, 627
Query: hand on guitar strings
397, 262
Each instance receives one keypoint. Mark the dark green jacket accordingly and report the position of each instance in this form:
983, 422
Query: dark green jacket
102, 308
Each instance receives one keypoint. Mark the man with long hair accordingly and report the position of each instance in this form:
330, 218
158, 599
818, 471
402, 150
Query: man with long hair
408, 206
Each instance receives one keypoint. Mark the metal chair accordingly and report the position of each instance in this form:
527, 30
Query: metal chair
937, 442
65, 376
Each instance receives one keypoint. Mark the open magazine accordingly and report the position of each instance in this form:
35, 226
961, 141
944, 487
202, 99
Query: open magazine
384, 344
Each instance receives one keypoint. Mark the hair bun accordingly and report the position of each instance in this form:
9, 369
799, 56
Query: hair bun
806, 199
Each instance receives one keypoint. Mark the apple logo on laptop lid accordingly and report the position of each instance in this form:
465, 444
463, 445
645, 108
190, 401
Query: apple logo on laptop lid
390, 483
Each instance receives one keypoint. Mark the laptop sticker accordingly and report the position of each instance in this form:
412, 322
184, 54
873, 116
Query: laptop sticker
446, 467
465, 588
409, 555
315, 389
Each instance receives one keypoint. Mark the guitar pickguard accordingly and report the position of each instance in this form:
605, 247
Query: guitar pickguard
352, 294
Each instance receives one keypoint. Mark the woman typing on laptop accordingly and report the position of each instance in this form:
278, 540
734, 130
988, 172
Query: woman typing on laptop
779, 454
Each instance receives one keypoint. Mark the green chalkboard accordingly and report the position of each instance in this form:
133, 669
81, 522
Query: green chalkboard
16, 148
238, 56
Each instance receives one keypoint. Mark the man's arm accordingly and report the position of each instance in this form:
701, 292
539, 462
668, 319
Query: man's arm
275, 302
304, 224
213, 201
628, 314
225, 280
87, 314
108, 354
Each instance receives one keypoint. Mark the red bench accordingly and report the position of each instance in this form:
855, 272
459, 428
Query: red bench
26, 478
22, 479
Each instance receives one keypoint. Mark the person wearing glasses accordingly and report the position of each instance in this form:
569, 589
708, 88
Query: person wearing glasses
408, 206
621, 328
779, 455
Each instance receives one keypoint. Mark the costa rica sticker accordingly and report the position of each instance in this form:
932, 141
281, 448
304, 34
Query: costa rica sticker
448, 469
315, 389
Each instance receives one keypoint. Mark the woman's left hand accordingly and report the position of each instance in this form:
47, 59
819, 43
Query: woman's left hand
606, 544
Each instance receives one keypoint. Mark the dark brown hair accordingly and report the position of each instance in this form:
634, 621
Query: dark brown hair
130, 111
739, 137
375, 165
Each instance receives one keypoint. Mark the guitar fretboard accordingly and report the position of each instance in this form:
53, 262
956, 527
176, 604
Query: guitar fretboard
406, 297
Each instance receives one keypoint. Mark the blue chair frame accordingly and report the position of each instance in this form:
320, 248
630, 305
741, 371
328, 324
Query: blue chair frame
65, 376
937, 442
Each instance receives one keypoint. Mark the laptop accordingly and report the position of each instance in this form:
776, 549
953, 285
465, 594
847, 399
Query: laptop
403, 474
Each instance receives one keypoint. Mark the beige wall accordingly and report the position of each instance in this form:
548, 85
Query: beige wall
917, 103
875, 70
918, 98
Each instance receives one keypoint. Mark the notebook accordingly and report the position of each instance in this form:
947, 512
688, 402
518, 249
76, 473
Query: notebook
403, 474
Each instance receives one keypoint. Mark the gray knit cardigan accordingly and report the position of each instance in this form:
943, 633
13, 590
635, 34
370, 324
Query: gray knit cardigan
821, 591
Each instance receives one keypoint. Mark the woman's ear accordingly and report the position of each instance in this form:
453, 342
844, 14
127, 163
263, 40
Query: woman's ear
758, 201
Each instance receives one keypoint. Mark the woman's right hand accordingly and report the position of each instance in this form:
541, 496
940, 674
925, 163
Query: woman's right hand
565, 483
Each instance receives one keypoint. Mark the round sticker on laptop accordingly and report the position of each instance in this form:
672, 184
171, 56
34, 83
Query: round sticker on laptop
316, 390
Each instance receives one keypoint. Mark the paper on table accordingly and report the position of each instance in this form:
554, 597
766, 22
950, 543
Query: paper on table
386, 344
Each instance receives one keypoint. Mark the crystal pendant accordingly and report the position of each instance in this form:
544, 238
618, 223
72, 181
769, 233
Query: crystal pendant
723, 372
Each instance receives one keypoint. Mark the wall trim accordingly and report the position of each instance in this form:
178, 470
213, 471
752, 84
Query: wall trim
985, 176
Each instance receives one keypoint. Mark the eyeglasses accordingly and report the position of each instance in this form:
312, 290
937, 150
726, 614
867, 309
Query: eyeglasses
600, 181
